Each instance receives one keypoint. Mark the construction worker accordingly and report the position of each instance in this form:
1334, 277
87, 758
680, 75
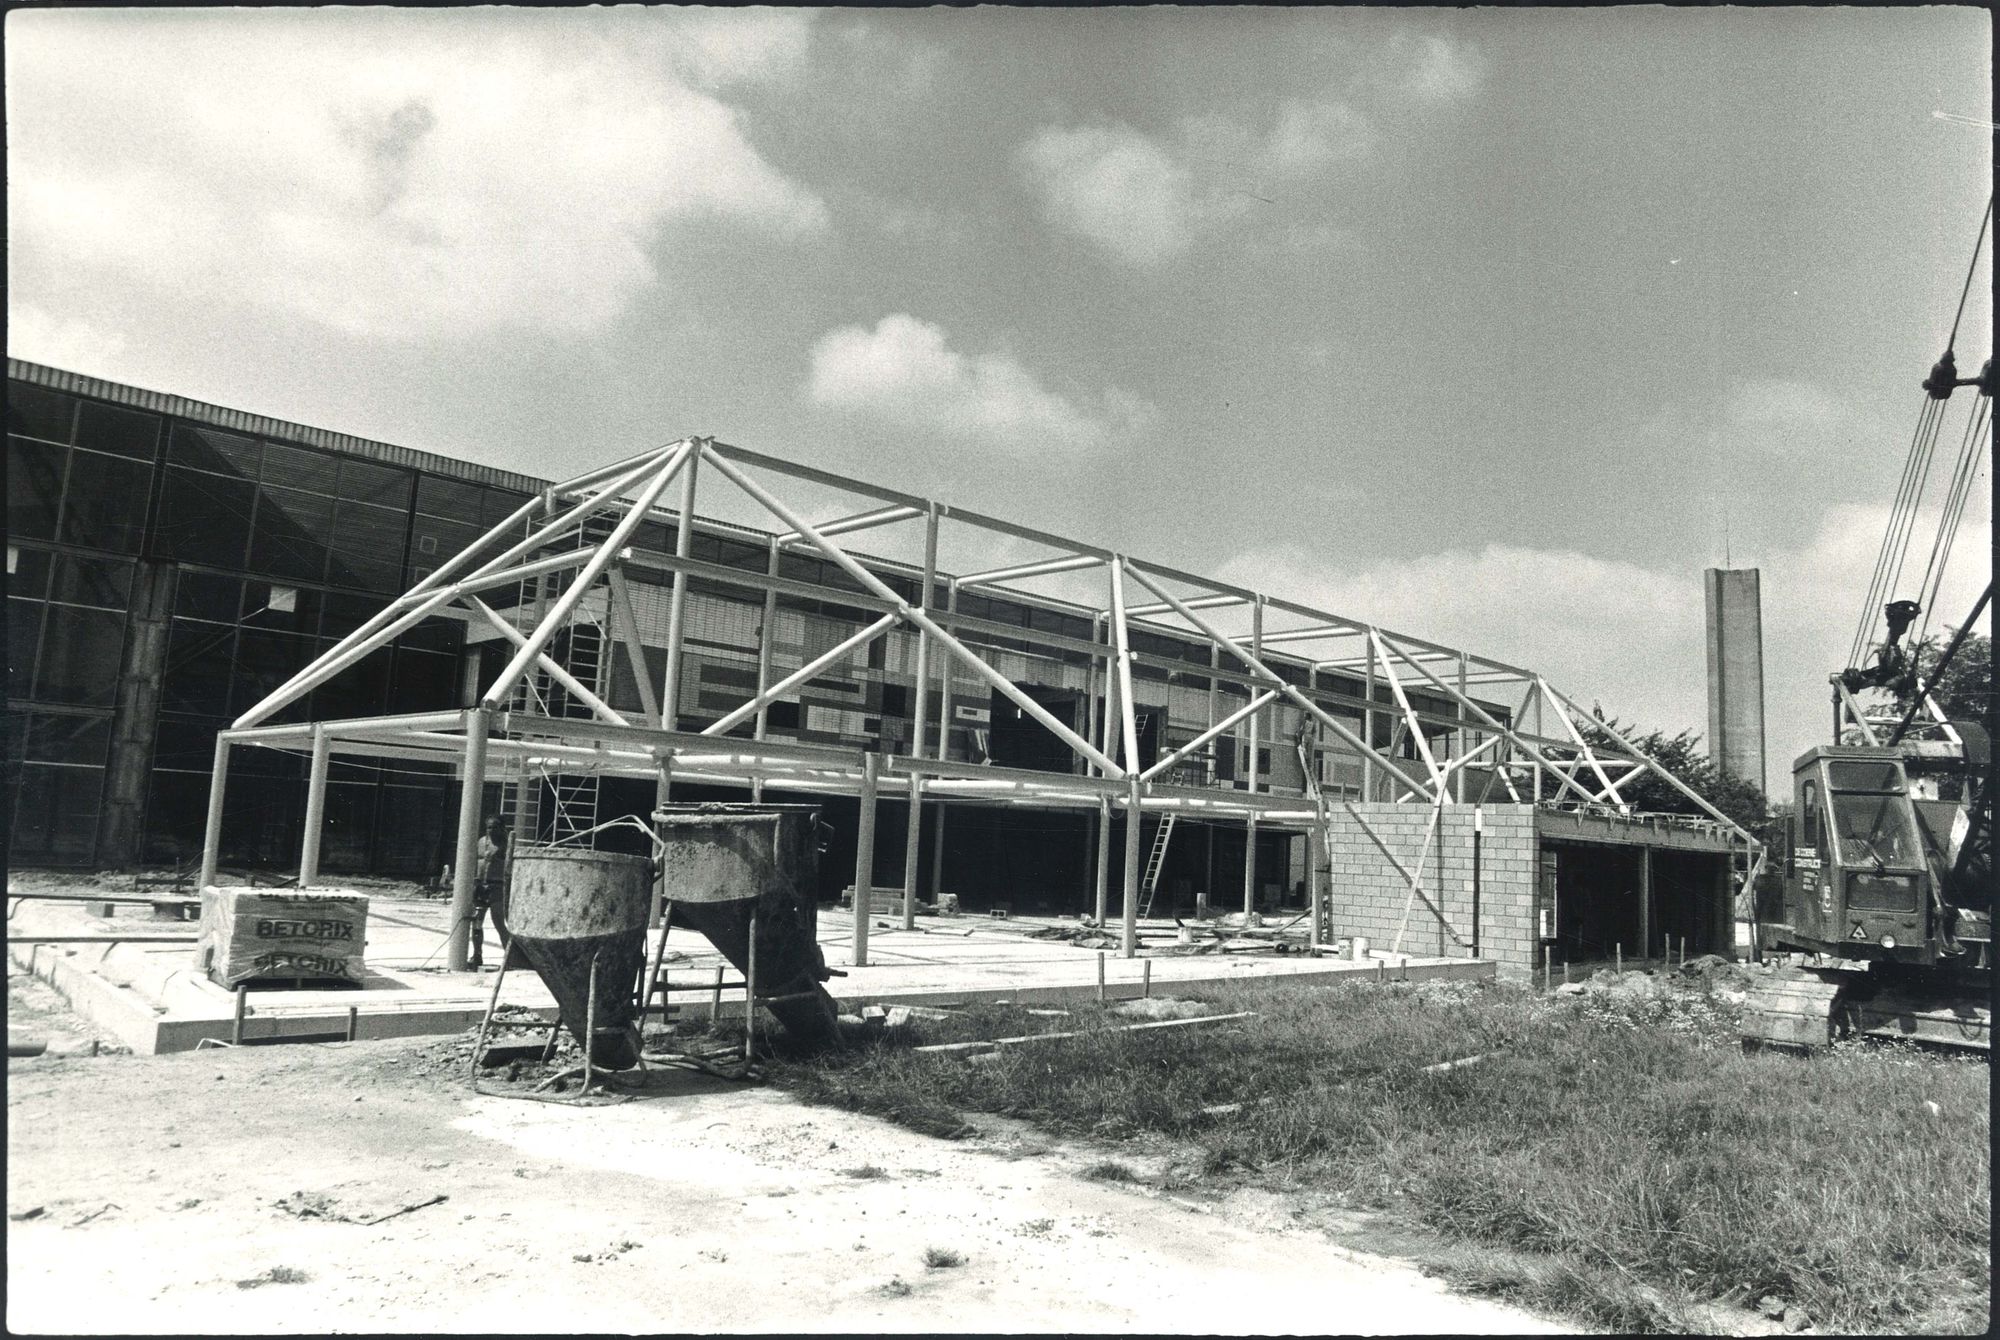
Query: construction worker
489, 891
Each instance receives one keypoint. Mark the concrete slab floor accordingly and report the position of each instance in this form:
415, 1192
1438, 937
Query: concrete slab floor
151, 997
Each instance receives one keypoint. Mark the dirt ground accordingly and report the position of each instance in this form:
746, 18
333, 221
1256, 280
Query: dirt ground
36, 1012
224, 1192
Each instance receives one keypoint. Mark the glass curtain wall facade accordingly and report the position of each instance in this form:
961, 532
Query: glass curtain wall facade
164, 575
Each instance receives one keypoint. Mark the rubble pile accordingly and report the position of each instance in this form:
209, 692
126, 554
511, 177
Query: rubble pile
1702, 997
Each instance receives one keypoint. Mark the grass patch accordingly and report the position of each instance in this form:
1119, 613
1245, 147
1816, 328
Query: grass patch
867, 1172
942, 1258
1110, 1170
1625, 1161
275, 1275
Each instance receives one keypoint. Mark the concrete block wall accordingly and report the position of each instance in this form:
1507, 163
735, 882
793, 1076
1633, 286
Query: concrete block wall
1367, 894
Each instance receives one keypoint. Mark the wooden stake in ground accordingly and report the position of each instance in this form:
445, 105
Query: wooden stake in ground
1100, 977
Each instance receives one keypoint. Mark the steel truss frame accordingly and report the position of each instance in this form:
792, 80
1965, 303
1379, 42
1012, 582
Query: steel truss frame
1575, 767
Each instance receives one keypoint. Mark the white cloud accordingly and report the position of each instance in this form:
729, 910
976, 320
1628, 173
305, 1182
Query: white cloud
1115, 187
1783, 417
381, 174
1429, 68
1145, 199
905, 372
1311, 135
64, 342
1629, 635
720, 47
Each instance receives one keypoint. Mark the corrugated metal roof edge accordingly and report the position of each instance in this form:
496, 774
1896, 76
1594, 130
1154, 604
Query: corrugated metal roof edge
242, 421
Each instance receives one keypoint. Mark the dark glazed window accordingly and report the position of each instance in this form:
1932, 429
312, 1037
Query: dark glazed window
29, 577
104, 583
205, 519
291, 535
34, 488
265, 658
1864, 775
39, 412
56, 819
423, 682
197, 673
122, 432
106, 502
81, 649
296, 468
383, 485
497, 505
341, 614
204, 595
358, 691
367, 547
186, 746
24, 631
209, 449
448, 498
67, 739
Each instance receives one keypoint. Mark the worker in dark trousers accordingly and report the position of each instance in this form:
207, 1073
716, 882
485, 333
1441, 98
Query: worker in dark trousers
489, 892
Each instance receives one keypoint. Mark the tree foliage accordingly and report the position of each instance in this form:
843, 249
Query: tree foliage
1682, 755
1967, 685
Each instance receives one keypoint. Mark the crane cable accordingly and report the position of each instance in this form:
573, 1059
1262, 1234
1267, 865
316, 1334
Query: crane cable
1966, 470
1895, 536
1962, 293
1916, 473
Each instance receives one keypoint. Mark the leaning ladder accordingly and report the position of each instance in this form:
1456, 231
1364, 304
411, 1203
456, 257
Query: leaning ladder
1154, 863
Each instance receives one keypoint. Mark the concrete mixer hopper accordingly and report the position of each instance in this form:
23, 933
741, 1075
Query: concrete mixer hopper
731, 870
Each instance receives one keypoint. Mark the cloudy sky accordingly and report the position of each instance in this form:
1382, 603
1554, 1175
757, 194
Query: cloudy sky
1492, 326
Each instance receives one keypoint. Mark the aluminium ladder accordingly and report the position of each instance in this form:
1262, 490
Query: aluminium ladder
1154, 863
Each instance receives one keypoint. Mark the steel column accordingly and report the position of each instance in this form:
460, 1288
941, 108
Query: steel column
211, 838
1130, 938
465, 861
764, 633
322, 756
864, 856
1103, 858
1249, 868
1253, 772
1645, 899
912, 844
670, 675
1368, 730
670, 681
1128, 720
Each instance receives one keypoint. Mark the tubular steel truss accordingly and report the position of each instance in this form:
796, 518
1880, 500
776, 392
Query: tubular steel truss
1451, 748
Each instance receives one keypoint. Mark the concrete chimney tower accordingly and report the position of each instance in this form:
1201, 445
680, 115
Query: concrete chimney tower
1735, 672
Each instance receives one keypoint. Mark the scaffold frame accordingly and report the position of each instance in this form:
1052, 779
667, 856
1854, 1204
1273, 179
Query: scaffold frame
1584, 763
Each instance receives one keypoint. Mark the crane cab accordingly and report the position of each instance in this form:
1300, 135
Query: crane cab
1860, 875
